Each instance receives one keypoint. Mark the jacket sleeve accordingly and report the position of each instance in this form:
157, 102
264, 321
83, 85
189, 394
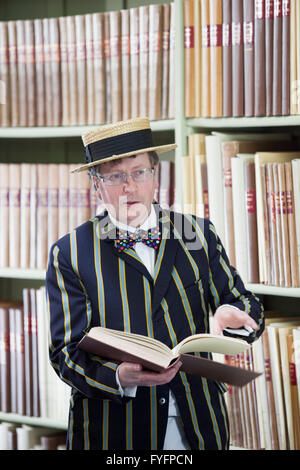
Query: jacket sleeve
227, 287
70, 314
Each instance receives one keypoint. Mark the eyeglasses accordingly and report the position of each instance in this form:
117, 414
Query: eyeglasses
116, 179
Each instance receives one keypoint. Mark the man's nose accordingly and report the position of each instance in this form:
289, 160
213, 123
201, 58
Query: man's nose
129, 184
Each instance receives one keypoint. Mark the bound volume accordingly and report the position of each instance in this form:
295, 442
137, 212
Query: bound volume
156, 356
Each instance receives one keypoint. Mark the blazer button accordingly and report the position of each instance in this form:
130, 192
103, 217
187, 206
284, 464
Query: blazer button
162, 401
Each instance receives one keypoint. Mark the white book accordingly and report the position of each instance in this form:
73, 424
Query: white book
240, 212
296, 187
215, 184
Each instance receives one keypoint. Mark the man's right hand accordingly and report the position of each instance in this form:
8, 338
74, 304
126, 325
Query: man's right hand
132, 375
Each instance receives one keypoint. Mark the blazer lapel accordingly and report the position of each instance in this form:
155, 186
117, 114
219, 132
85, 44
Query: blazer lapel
164, 261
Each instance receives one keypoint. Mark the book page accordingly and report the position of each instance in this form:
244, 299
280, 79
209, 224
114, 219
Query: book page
211, 343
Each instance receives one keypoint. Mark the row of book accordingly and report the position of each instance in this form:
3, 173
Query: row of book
39, 203
28, 384
24, 437
265, 414
248, 185
88, 69
242, 58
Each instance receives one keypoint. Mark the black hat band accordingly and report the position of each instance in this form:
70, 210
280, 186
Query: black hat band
118, 145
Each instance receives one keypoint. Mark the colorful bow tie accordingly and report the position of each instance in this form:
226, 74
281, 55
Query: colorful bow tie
149, 237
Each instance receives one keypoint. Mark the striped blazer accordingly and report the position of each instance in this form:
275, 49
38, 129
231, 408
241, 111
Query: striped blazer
90, 283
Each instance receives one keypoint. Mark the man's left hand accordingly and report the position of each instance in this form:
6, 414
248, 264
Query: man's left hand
229, 317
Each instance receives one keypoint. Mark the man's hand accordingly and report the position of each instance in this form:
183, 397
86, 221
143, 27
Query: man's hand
228, 317
131, 375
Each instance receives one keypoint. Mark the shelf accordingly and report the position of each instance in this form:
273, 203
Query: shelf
67, 131
19, 273
244, 122
274, 290
32, 421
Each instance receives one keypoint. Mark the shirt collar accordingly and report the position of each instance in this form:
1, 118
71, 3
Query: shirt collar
150, 222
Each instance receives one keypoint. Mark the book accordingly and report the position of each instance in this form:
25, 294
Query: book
216, 69
189, 57
269, 21
277, 59
227, 59
237, 59
155, 355
259, 59
248, 35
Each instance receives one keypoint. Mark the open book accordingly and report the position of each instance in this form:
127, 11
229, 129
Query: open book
155, 355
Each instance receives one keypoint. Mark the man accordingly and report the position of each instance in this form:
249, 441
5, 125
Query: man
107, 273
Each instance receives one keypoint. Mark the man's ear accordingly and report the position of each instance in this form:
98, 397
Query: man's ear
96, 186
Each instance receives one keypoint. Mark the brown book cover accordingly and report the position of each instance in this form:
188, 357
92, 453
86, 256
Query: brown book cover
125, 57
52, 224
248, 12
55, 71
290, 208
21, 67
5, 395
5, 118
20, 360
294, 391
259, 59
90, 79
270, 393
33, 214
13, 71
107, 61
286, 57
253, 408
269, 23
293, 57
99, 69
273, 260
116, 64
155, 60
134, 61
205, 59
215, 10
81, 91
28, 351
189, 58
30, 73
278, 224
234, 408
42, 216
64, 70
4, 214
25, 216
144, 77
83, 199
284, 225
171, 111
35, 356
277, 59
73, 198
165, 60
251, 221
197, 54
39, 72
205, 189
237, 59
48, 73
14, 214
13, 361
63, 199
53, 441
116, 345
72, 80
227, 58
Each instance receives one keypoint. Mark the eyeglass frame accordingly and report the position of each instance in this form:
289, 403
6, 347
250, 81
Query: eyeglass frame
124, 175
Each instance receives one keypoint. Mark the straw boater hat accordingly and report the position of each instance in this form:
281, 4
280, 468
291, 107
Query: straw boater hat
119, 140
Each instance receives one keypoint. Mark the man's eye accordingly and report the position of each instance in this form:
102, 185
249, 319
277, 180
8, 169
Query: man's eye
115, 177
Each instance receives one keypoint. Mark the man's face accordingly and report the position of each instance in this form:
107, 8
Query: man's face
130, 203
